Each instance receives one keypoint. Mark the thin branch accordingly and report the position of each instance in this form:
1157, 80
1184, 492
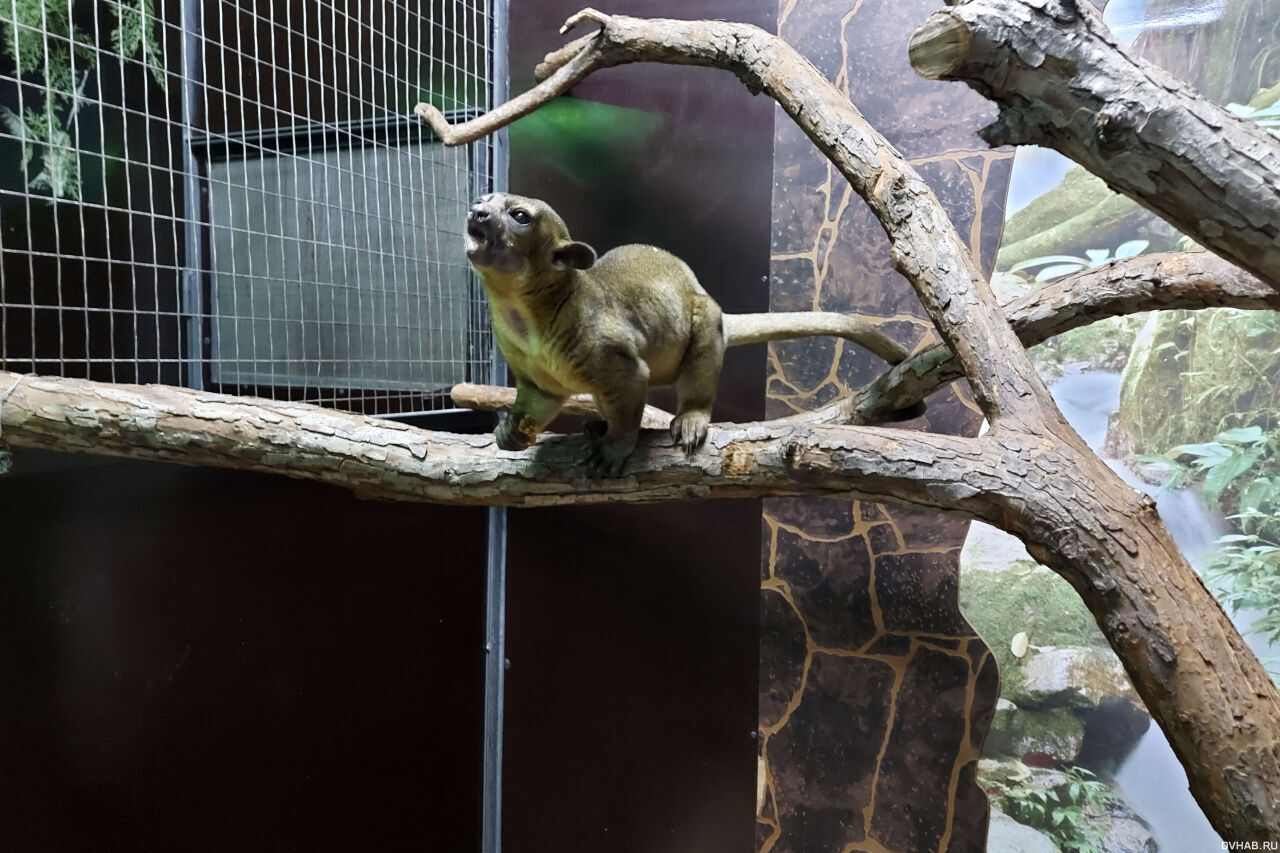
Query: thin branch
575, 68
1188, 280
494, 398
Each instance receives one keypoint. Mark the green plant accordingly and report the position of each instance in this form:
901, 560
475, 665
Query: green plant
46, 44
1218, 463
1245, 575
1067, 811
1240, 469
1056, 266
1267, 117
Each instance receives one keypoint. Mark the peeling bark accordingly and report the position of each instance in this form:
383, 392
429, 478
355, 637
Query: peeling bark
1061, 81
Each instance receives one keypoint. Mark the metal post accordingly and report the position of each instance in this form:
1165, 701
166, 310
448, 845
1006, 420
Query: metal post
192, 204
496, 574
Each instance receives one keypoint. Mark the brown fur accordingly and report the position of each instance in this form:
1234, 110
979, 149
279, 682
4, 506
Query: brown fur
567, 323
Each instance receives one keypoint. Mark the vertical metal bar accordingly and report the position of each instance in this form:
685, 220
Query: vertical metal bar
494, 681
496, 575
192, 207
501, 92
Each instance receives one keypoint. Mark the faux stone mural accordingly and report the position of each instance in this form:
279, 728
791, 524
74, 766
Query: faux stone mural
875, 693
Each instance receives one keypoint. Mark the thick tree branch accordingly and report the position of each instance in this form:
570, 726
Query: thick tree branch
387, 459
1203, 685
1062, 81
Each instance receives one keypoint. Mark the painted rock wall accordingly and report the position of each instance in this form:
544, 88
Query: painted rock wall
875, 693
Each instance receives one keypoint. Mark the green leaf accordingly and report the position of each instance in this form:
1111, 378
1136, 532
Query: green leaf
1261, 492
1048, 259
1057, 271
1224, 473
1208, 453
1129, 248
1242, 435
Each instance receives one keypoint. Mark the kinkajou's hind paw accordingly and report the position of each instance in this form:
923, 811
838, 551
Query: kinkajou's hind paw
508, 436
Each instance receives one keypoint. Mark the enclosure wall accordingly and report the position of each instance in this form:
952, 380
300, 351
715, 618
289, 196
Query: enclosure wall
203, 660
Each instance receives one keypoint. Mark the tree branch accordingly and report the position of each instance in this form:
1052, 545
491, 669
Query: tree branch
495, 398
386, 459
1030, 474
1061, 81
1192, 280
925, 246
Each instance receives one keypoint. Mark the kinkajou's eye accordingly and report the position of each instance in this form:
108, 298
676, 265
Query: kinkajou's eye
521, 215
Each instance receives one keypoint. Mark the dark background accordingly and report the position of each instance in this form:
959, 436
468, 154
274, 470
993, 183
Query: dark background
199, 659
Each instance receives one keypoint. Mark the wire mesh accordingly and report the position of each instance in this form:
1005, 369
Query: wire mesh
233, 195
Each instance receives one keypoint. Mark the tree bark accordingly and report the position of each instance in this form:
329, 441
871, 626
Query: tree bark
1219, 709
386, 459
1061, 81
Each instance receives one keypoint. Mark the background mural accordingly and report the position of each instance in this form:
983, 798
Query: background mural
875, 692
1183, 404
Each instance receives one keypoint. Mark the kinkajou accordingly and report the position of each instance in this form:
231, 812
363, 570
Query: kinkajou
568, 322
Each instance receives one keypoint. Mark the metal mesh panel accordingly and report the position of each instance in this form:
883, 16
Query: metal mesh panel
233, 195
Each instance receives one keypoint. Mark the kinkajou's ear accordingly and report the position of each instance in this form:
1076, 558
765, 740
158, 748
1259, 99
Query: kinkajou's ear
573, 254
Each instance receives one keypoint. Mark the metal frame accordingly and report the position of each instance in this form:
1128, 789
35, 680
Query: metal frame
200, 150
496, 574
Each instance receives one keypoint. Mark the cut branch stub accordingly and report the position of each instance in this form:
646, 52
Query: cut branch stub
1061, 81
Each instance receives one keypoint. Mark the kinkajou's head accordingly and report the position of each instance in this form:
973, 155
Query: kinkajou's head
514, 236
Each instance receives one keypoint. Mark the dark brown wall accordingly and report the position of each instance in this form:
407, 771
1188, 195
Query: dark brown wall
195, 659
632, 631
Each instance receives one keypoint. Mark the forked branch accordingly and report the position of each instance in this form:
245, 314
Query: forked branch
1217, 705
925, 247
